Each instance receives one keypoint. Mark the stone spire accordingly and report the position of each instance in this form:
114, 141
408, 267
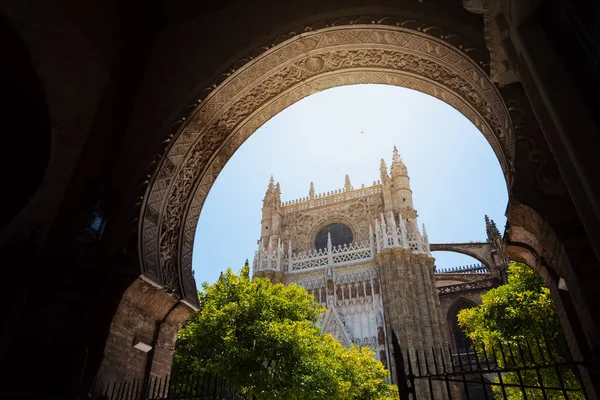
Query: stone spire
398, 168
311, 191
396, 157
384, 173
347, 184
491, 229
270, 211
270, 194
271, 182
277, 193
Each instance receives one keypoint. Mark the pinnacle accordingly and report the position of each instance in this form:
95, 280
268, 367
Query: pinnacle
271, 184
311, 191
396, 157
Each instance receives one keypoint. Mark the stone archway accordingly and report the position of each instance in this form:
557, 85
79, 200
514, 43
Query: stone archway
385, 52
455, 335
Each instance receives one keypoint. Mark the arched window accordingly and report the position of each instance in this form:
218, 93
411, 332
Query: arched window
462, 342
340, 234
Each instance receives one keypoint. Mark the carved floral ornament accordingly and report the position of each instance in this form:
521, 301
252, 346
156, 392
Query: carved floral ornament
296, 68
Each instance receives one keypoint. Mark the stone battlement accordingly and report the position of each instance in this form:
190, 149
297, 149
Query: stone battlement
330, 197
465, 269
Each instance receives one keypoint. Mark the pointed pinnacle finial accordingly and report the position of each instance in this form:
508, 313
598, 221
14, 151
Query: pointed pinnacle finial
396, 157
271, 184
347, 184
311, 191
491, 229
246, 263
383, 172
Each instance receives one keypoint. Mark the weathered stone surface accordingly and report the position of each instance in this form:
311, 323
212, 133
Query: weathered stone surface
148, 315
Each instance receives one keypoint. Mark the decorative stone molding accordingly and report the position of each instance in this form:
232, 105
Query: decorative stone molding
302, 65
467, 286
500, 71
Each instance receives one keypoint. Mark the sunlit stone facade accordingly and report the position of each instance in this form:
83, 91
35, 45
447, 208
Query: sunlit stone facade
359, 252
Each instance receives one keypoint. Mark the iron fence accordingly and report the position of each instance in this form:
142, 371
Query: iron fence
197, 386
534, 369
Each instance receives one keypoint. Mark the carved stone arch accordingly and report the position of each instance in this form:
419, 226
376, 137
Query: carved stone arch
481, 251
289, 71
457, 305
457, 337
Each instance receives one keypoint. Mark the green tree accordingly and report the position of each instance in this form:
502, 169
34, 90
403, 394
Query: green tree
262, 337
520, 317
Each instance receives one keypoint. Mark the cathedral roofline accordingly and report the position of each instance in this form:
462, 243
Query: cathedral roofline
348, 191
330, 197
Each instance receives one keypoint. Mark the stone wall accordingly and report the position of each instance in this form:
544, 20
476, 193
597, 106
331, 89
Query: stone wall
412, 306
146, 315
448, 303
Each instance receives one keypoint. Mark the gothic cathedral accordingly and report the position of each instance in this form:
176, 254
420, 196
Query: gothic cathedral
361, 253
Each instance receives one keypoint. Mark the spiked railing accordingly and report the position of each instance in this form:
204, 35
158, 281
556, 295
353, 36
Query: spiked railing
465, 269
179, 386
527, 369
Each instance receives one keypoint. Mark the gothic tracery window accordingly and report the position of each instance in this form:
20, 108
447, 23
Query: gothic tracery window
340, 234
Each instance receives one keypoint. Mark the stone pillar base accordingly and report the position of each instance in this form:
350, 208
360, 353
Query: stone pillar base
142, 335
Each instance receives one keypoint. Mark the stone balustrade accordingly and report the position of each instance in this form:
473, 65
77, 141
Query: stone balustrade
331, 197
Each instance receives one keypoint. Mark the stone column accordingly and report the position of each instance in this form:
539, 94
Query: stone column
148, 316
411, 307
529, 239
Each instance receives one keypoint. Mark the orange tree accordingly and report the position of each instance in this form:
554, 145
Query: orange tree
262, 337
520, 316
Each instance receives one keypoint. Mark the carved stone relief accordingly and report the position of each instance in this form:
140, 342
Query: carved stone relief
305, 64
303, 226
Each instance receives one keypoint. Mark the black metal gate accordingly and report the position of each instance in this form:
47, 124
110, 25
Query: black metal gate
181, 386
534, 369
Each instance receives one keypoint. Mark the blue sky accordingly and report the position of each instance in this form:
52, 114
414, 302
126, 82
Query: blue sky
455, 177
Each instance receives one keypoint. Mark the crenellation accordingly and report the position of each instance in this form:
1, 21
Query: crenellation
327, 198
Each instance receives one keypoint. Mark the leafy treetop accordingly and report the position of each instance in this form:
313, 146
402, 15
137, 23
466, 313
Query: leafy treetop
262, 337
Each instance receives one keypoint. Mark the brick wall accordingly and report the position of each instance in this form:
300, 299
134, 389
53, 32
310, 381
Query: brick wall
144, 314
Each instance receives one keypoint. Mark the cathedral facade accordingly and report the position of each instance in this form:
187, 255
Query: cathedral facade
361, 253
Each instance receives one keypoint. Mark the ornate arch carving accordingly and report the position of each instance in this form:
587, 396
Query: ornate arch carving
297, 67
